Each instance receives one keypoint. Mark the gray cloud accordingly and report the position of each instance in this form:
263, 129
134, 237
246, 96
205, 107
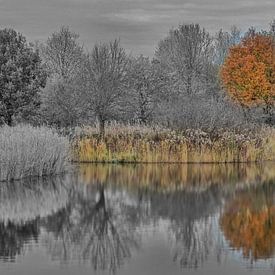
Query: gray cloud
139, 23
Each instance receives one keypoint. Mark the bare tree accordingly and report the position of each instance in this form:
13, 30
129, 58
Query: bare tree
225, 40
62, 53
105, 78
62, 100
145, 87
186, 54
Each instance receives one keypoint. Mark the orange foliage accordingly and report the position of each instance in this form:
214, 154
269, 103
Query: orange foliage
248, 71
250, 228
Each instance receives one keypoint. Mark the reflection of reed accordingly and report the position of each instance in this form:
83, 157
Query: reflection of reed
22, 205
167, 177
24, 201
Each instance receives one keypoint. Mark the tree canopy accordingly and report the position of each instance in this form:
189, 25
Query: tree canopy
186, 55
63, 54
247, 71
105, 78
21, 77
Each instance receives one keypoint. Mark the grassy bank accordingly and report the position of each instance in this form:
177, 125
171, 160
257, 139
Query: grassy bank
142, 144
27, 151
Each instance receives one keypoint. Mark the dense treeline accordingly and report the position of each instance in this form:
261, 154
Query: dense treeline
189, 83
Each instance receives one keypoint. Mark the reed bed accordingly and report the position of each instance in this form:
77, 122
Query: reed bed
140, 144
31, 151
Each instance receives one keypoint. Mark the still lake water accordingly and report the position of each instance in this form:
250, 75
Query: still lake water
141, 219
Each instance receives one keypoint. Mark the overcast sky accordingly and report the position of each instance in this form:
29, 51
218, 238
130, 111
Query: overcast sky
140, 24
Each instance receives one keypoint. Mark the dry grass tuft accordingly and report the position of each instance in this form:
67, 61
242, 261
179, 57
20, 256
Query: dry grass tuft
28, 151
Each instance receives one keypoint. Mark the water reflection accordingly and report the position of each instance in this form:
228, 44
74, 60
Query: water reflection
102, 214
172, 177
191, 219
13, 238
22, 205
94, 228
191, 198
248, 222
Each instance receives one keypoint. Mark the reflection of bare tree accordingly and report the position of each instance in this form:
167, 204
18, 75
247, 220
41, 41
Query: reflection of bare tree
89, 230
193, 241
192, 220
13, 238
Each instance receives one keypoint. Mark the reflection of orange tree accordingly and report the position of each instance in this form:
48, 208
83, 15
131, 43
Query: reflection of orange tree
248, 224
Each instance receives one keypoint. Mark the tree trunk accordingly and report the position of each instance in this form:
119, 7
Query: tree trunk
245, 113
9, 120
142, 116
189, 83
101, 202
101, 128
269, 112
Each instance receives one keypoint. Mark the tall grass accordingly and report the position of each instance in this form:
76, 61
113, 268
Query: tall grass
153, 145
31, 151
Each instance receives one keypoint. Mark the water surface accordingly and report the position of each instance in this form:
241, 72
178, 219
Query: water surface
141, 219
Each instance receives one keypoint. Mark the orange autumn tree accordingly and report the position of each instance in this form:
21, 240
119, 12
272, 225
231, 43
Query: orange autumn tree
248, 71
